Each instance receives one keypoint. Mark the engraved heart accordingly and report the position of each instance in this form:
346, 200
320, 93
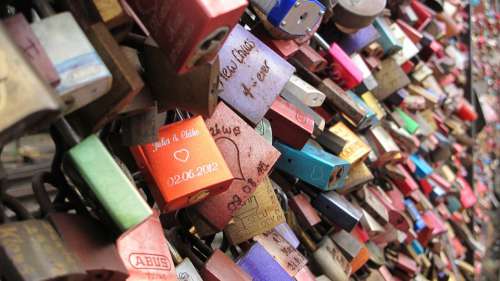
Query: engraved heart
317, 173
182, 155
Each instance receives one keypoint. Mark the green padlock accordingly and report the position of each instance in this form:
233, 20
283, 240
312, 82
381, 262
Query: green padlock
408, 123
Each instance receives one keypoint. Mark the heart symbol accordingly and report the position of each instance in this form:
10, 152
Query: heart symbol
182, 155
317, 173
231, 154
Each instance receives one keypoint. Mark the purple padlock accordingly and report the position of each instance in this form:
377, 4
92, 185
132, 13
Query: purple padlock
259, 264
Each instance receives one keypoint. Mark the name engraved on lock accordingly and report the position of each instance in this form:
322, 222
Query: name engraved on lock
251, 75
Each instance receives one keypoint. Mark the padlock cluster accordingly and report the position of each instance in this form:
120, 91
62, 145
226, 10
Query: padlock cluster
250, 140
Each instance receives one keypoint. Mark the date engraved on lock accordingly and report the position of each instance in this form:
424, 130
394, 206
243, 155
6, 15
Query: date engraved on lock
190, 174
149, 261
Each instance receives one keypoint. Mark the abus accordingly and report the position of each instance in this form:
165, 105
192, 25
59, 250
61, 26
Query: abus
149, 261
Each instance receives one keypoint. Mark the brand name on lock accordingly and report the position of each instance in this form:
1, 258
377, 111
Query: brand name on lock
149, 261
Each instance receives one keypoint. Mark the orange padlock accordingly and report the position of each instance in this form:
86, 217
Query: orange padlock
184, 166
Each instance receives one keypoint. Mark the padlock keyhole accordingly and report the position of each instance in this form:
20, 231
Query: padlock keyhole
302, 18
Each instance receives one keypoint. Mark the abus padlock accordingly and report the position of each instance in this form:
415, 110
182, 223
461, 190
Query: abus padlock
196, 167
290, 125
24, 37
32, 250
101, 180
390, 78
196, 91
259, 264
260, 213
287, 256
145, 252
350, 16
355, 150
250, 158
313, 165
251, 75
189, 33
26, 101
126, 84
84, 76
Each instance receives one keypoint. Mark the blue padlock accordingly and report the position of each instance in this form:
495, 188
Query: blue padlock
370, 117
423, 169
417, 247
387, 40
313, 165
415, 215
293, 17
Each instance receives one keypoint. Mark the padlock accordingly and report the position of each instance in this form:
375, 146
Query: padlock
196, 91
93, 248
310, 58
319, 122
289, 19
412, 210
359, 174
21, 33
286, 231
189, 33
114, 16
331, 142
259, 264
285, 254
183, 266
436, 28
31, 249
20, 84
140, 127
387, 150
290, 125
373, 205
285, 48
327, 256
355, 150
251, 75
356, 42
354, 251
260, 213
114, 196
145, 251
411, 32
423, 13
370, 224
372, 102
351, 16
423, 169
313, 165
397, 218
369, 83
387, 40
305, 213
125, 86
84, 76
306, 93
390, 78
342, 69
405, 120
408, 48
249, 161
197, 167
337, 209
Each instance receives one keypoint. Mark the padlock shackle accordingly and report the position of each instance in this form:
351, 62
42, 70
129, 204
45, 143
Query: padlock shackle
43, 8
14, 205
41, 194
66, 132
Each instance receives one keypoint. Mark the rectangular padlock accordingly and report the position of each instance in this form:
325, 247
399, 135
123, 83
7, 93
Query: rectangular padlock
310, 58
369, 83
331, 142
331, 261
355, 251
259, 264
408, 48
423, 13
106, 184
306, 215
387, 40
423, 169
126, 84
250, 158
87, 239
414, 35
319, 122
220, 267
196, 91
144, 251
370, 224
32, 250
337, 209
372, 102
356, 42
285, 254
196, 166
26, 101
84, 76
387, 150
302, 90
189, 33
21, 33
370, 118
313, 165
290, 125
355, 150
390, 78
289, 19
344, 70
359, 174
251, 74
373, 205
260, 213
